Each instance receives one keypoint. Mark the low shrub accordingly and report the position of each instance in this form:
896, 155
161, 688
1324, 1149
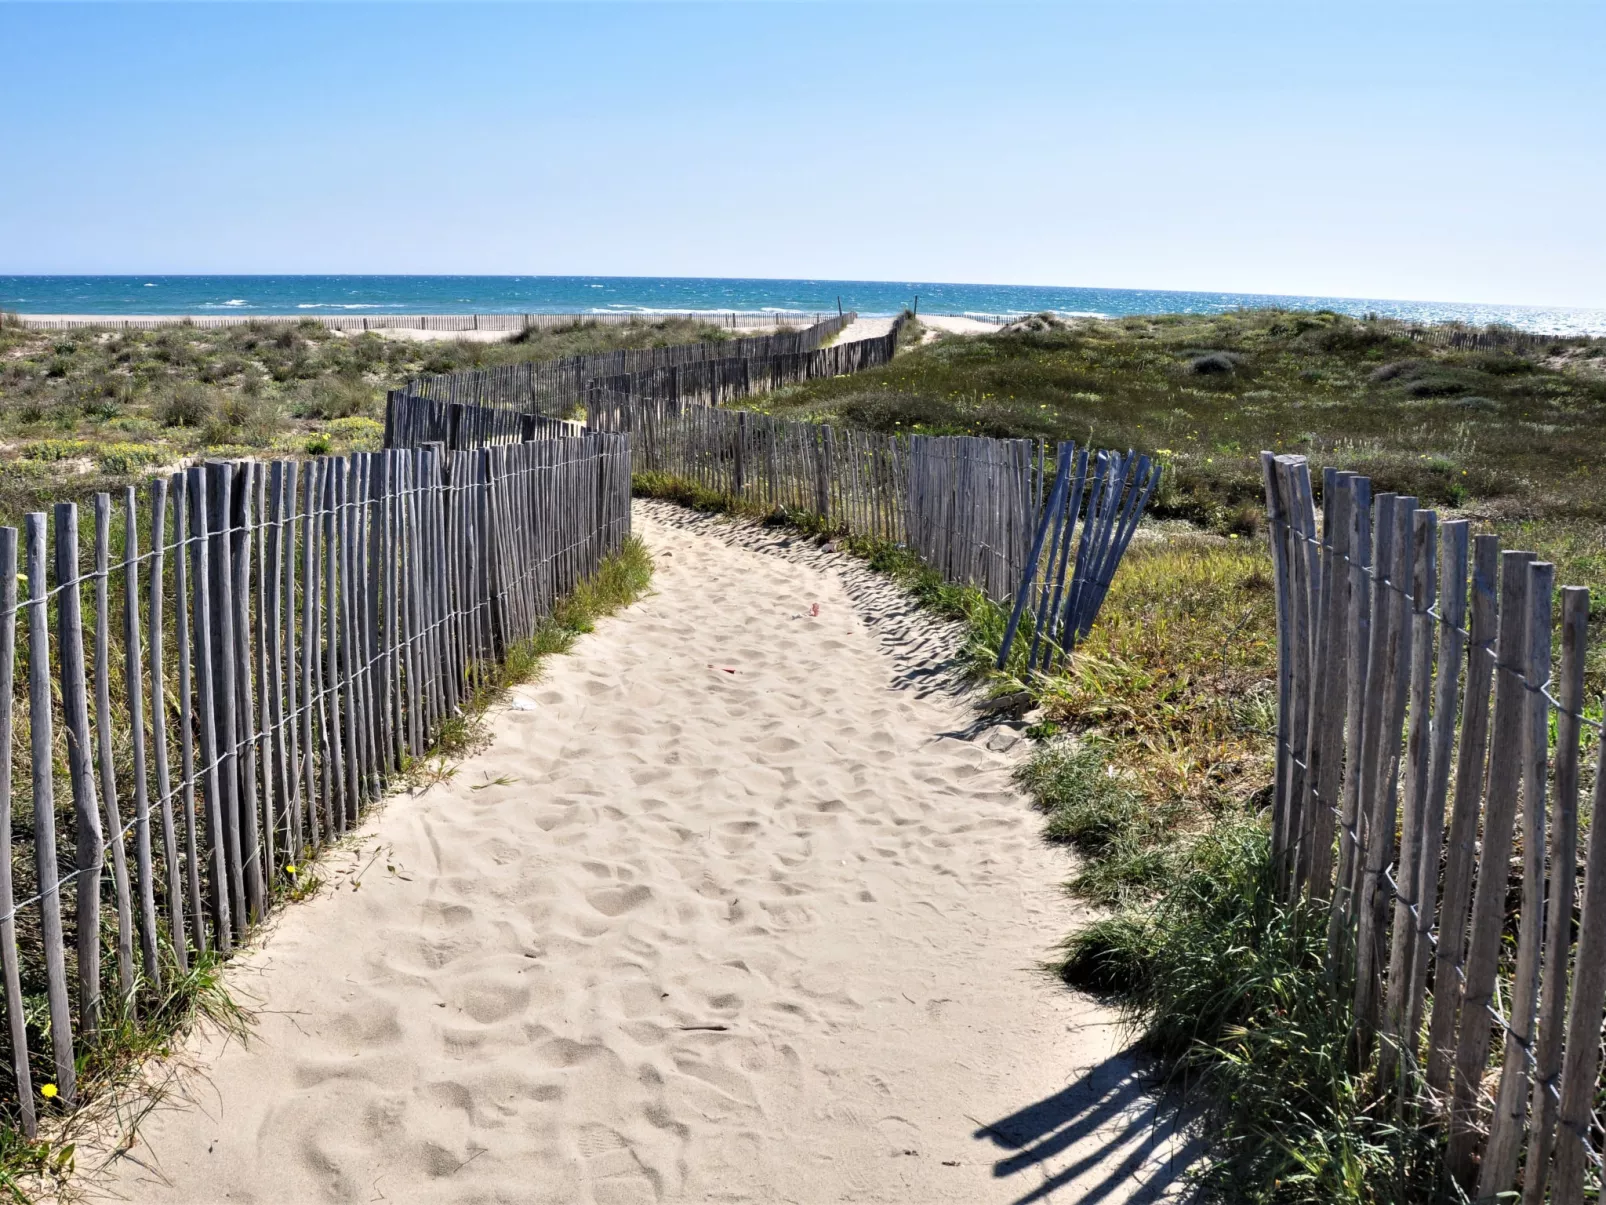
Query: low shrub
186, 404
55, 449
338, 397
127, 457
1214, 363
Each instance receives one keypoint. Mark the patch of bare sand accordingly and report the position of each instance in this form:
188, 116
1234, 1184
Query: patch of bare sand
729, 911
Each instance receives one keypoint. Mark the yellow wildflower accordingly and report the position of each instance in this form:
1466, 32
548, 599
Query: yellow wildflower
48, 1091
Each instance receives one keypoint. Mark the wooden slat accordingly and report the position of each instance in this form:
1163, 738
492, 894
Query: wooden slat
9, 966
134, 683
41, 736
103, 740
1498, 1170
174, 867
1488, 902
88, 853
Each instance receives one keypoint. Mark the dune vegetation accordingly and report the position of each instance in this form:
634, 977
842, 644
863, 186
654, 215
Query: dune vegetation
91, 409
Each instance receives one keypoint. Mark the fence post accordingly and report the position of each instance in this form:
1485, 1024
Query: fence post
42, 741
1499, 1166
1485, 943
18, 1029
88, 861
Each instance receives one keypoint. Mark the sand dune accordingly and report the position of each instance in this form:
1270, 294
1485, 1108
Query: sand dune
721, 915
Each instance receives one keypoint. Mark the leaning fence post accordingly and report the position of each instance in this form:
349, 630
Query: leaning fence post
1559, 913
8, 920
1277, 523
1485, 943
41, 737
1499, 1165
1581, 1062
115, 833
88, 862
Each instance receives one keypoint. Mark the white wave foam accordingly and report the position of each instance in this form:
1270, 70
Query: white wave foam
357, 305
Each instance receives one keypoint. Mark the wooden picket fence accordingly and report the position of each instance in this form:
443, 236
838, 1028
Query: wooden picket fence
971, 507
1420, 715
237, 694
557, 387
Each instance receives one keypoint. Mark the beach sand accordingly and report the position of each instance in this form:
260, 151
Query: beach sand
730, 909
956, 324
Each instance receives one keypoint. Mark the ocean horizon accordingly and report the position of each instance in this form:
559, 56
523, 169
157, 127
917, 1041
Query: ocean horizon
198, 295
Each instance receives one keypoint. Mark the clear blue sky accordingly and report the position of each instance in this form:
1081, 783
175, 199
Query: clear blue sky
1417, 150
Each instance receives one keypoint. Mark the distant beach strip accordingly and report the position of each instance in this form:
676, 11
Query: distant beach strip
513, 297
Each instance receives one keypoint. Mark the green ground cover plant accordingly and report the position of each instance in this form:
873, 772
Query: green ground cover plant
90, 409
1505, 432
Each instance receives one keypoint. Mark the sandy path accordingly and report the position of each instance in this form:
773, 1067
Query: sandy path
955, 324
864, 328
684, 934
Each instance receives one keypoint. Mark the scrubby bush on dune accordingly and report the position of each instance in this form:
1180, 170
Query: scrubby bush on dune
339, 397
1036, 324
245, 419
186, 404
1213, 363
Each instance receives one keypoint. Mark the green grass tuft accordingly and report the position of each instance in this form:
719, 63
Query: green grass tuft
1228, 989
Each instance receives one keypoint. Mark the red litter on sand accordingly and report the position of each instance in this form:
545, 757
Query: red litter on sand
724, 669
814, 609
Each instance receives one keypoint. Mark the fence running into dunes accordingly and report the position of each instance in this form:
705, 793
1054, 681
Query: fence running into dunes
970, 507
555, 387
1421, 714
230, 699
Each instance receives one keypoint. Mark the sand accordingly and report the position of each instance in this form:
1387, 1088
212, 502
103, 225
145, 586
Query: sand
731, 909
956, 324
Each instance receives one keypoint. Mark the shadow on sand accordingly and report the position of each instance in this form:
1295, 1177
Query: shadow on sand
1104, 1138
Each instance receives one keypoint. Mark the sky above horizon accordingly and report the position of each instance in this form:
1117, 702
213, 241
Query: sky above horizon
1419, 150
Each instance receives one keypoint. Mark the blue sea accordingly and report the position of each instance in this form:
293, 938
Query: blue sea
649, 294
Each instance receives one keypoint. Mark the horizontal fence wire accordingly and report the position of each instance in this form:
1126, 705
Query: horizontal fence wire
1444, 756
295, 635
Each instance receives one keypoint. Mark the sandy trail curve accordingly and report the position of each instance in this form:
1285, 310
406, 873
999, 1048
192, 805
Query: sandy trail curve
685, 934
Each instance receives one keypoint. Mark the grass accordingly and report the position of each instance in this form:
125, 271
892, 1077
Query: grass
1209, 392
1229, 991
89, 409
1155, 768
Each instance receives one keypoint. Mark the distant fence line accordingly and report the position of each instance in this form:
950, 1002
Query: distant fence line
971, 507
730, 319
1416, 703
238, 693
554, 387
1474, 338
